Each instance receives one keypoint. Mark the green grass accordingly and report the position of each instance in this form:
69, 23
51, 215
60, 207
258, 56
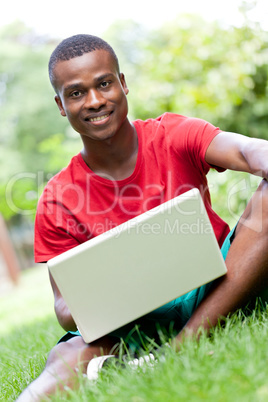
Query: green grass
32, 299
28, 330
231, 365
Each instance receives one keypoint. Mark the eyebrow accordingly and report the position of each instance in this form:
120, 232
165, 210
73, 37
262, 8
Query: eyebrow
72, 86
103, 77
78, 85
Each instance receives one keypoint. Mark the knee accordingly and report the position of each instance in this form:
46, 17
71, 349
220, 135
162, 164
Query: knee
255, 216
75, 354
66, 356
61, 355
264, 186
261, 205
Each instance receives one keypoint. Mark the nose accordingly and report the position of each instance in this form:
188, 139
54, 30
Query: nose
94, 100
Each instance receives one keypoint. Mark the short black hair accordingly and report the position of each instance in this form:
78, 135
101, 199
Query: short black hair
76, 46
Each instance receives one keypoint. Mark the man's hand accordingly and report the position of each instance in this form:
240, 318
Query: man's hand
62, 312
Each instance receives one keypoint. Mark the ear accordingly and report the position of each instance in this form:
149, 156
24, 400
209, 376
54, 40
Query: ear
123, 83
60, 106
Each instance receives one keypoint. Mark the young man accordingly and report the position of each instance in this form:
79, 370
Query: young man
125, 169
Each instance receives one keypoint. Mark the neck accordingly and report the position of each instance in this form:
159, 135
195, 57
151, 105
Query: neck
115, 157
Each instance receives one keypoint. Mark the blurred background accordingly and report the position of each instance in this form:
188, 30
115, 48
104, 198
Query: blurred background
205, 59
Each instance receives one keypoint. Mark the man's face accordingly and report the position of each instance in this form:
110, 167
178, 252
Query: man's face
92, 94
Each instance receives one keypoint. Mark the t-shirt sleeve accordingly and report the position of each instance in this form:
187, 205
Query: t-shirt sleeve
51, 236
191, 137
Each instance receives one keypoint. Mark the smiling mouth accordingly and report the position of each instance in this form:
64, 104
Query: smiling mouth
93, 119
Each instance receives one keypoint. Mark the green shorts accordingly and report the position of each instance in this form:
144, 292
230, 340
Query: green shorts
165, 321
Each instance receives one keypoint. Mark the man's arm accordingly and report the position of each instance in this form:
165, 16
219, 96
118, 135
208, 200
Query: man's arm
62, 312
247, 259
237, 152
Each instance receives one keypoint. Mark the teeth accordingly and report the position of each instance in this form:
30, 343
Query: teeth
99, 118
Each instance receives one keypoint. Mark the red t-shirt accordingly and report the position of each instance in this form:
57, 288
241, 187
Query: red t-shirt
78, 204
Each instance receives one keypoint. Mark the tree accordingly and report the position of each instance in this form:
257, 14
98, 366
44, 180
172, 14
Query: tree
189, 66
35, 142
200, 69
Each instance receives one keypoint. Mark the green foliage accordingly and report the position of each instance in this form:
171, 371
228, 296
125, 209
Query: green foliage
30, 122
230, 192
199, 69
188, 66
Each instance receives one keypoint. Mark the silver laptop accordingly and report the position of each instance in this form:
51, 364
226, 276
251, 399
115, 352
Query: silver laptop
138, 266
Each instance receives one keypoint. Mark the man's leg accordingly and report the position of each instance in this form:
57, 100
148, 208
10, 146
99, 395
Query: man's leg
63, 364
247, 268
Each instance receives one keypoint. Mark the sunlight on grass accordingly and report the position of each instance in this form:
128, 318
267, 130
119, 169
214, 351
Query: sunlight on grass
230, 365
32, 299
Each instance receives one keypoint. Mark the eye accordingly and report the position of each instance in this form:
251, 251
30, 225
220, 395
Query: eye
105, 84
75, 94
